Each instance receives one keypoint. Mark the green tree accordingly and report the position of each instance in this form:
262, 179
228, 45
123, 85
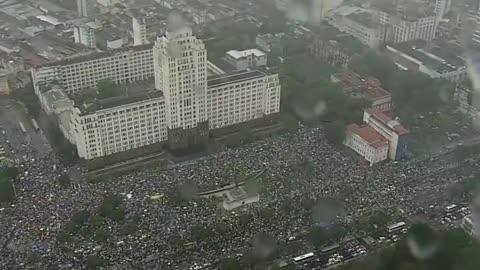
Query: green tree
7, 192
112, 208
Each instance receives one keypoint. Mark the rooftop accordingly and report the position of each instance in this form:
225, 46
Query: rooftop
54, 95
386, 120
368, 88
95, 55
130, 93
364, 18
368, 134
441, 57
407, 10
245, 53
221, 79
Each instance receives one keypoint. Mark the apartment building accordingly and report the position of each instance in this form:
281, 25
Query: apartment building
366, 142
85, 34
139, 27
86, 8
241, 97
74, 74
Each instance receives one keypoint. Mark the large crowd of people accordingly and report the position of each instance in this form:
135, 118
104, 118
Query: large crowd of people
302, 171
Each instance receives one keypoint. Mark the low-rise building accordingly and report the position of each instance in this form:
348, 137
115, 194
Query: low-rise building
369, 89
361, 24
270, 42
243, 60
389, 128
468, 100
407, 21
367, 142
330, 51
437, 61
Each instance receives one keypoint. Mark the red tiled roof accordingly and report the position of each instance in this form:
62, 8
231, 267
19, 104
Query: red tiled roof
373, 138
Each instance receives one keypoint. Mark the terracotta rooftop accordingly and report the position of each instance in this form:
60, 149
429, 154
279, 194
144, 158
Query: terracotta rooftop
367, 87
373, 138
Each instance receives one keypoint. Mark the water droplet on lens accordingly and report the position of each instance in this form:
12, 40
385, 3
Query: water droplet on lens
264, 245
326, 211
422, 241
188, 191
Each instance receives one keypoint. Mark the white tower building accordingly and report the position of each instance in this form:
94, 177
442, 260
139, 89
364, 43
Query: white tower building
442, 7
85, 34
139, 31
180, 68
86, 8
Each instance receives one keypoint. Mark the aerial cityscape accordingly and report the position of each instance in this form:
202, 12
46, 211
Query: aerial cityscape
240, 135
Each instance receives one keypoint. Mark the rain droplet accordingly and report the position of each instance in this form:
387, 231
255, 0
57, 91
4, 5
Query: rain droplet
327, 211
188, 191
264, 245
422, 241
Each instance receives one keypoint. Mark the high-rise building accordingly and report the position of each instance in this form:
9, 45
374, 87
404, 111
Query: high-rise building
442, 7
86, 8
139, 30
85, 34
180, 68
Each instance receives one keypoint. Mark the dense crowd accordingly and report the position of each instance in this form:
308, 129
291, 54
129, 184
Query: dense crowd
299, 169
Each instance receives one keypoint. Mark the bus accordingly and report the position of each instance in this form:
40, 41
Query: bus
303, 257
22, 127
396, 227
451, 208
35, 124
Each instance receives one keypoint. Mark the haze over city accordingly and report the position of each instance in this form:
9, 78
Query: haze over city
239, 135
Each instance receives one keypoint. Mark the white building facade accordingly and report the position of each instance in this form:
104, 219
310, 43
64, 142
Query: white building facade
181, 73
139, 31
182, 104
366, 142
243, 60
402, 28
120, 128
85, 34
83, 72
241, 97
86, 8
